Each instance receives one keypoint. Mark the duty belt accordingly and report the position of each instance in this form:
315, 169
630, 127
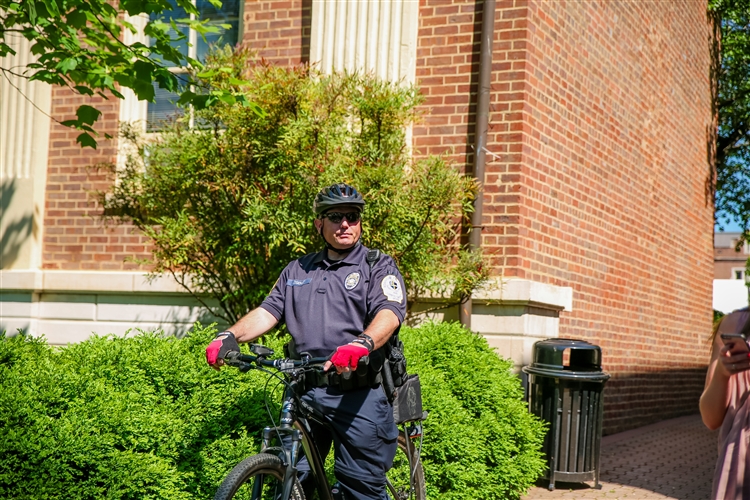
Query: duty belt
345, 382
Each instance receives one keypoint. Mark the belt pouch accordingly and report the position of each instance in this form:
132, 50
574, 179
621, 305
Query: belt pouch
407, 401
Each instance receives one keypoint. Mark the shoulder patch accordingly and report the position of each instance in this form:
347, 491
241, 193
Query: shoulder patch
351, 281
392, 289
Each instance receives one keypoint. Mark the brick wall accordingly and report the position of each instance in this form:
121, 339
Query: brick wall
600, 118
613, 191
447, 73
75, 237
278, 30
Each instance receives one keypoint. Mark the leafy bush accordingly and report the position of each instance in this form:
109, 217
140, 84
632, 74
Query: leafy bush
229, 203
143, 417
480, 440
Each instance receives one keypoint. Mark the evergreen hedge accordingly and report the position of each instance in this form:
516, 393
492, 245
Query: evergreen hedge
144, 417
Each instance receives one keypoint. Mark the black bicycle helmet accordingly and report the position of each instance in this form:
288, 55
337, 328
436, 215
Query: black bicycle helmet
335, 195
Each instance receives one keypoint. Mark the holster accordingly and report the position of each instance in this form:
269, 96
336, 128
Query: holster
367, 374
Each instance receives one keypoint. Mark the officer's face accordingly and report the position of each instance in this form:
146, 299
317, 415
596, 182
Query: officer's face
343, 234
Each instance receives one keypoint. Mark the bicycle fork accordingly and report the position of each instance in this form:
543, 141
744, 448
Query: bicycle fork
288, 454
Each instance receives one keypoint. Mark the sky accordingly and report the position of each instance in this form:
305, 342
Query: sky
729, 228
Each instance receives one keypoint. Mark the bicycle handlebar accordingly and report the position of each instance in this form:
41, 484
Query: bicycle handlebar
245, 361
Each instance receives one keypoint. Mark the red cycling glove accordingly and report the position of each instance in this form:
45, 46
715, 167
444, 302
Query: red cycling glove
219, 347
348, 356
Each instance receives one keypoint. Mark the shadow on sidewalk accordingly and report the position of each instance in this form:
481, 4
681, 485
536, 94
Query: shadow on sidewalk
673, 459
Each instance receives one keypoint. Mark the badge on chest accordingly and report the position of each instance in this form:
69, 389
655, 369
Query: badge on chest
351, 281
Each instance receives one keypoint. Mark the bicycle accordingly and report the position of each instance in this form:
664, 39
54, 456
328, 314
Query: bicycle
272, 473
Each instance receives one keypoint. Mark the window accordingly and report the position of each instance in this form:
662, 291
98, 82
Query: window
164, 107
150, 116
738, 273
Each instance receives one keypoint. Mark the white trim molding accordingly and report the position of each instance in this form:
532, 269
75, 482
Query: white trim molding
512, 314
70, 306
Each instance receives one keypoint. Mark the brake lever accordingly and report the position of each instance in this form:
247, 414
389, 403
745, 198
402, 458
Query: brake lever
244, 367
231, 359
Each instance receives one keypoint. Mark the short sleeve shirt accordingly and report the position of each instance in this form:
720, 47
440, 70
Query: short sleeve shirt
326, 304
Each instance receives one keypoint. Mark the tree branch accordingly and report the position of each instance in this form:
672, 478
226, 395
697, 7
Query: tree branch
419, 233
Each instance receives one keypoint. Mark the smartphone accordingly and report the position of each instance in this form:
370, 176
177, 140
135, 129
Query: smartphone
738, 339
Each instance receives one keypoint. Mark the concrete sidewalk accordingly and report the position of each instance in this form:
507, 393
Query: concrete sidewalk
670, 459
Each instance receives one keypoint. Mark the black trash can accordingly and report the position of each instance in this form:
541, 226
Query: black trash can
566, 389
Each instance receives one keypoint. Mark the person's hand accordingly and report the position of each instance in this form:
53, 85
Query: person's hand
734, 359
219, 347
346, 357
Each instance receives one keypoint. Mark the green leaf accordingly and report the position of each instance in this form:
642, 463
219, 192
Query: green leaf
87, 114
83, 90
5, 50
144, 91
39, 47
86, 140
67, 65
226, 98
186, 97
200, 101
207, 74
166, 80
31, 10
157, 26
238, 82
256, 108
76, 18
143, 70
51, 7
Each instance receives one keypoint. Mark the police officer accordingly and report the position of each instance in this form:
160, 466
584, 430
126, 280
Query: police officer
338, 302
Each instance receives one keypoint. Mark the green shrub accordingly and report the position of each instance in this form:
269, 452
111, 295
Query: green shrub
143, 417
480, 441
228, 204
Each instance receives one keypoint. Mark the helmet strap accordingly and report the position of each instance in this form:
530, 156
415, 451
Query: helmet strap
342, 251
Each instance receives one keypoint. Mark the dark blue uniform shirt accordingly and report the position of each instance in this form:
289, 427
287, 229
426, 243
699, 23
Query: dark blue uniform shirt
326, 304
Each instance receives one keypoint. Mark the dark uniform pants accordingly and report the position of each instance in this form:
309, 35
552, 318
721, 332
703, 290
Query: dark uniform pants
364, 436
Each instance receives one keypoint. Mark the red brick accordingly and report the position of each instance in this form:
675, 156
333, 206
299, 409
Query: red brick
561, 96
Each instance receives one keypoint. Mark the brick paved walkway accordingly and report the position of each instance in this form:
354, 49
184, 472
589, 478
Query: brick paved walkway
670, 459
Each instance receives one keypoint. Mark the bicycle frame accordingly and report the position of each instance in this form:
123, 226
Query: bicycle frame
295, 433
298, 428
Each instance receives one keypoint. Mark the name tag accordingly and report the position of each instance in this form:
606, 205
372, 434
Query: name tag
298, 282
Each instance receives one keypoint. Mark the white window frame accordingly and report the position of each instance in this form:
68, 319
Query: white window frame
136, 112
742, 271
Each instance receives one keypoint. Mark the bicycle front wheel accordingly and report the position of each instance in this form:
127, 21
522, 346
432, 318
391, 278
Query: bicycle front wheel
259, 477
405, 480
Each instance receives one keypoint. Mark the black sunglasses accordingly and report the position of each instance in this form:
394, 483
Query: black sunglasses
336, 217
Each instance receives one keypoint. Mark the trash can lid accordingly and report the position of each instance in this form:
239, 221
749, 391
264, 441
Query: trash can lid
583, 356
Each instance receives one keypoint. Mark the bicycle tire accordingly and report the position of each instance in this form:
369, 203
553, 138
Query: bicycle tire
398, 483
238, 484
